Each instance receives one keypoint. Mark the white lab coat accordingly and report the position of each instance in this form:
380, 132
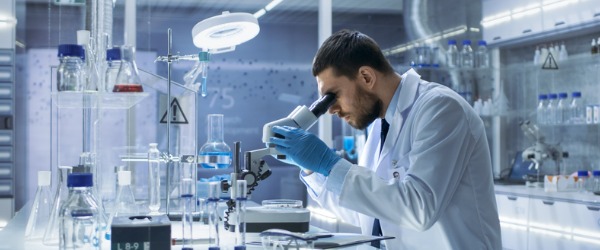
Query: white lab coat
444, 197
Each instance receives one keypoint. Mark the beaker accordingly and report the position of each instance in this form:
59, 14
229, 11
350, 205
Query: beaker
215, 153
60, 196
40, 210
128, 79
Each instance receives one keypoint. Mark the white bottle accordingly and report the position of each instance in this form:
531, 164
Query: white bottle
543, 54
577, 109
482, 58
452, 56
466, 55
536, 56
561, 112
563, 54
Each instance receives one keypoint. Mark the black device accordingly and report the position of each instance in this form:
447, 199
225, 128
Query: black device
140, 232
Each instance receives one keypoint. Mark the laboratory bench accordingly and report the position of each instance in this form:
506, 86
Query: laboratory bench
531, 218
12, 236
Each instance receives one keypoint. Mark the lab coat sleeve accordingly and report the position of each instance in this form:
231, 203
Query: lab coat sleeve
441, 143
317, 186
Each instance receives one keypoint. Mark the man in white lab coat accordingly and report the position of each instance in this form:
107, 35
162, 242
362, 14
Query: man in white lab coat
443, 197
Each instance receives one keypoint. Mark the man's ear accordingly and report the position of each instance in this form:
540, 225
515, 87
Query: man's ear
367, 76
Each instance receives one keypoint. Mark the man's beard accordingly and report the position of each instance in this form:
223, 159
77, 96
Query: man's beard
368, 108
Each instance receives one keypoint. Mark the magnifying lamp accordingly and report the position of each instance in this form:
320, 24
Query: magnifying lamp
223, 32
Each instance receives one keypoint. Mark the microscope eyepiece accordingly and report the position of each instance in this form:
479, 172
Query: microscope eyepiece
320, 106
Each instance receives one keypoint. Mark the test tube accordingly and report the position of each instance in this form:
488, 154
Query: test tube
240, 213
154, 178
214, 192
188, 186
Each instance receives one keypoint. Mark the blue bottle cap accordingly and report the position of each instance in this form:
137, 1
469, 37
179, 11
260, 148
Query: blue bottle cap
576, 94
596, 173
80, 180
563, 95
552, 96
482, 43
239, 248
582, 173
214, 248
452, 41
113, 54
467, 42
542, 97
71, 50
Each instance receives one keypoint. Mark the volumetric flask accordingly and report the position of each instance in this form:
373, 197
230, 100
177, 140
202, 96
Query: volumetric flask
60, 196
215, 153
41, 208
128, 79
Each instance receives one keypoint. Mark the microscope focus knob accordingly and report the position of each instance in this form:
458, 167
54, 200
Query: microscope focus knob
250, 178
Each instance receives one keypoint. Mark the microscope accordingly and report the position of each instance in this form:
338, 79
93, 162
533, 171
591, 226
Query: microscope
539, 152
255, 168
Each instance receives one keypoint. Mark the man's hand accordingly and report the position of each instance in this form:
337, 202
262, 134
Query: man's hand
304, 149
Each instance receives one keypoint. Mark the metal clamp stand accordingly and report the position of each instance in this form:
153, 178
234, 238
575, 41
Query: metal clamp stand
170, 159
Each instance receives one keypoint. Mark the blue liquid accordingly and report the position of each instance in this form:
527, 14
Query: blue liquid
217, 160
203, 86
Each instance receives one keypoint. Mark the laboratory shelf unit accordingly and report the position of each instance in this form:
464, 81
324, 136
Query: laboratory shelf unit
97, 99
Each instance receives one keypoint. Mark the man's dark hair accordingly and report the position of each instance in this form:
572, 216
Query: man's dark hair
346, 51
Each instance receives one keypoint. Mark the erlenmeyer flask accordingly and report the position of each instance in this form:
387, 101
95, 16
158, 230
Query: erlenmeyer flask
128, 79
215, 153
51, 235
40, 209
124, 202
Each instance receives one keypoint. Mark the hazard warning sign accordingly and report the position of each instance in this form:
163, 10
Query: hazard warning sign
177, 115
550, 62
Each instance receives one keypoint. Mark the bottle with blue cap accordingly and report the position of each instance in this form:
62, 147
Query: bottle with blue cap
466, 55
113, 60
576, 109
452, 56
82, 221
562, 109
482, 58
541, 109
551, 109
70, 75
582, 180
596, 181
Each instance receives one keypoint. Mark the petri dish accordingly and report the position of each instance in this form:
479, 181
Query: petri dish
282, 203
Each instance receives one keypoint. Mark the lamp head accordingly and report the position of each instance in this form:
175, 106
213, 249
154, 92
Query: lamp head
224, 31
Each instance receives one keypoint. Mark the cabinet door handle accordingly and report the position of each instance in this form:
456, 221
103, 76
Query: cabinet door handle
526, 31
499, 37
593, 208
512, 198
597, 14
559, 23
550, 203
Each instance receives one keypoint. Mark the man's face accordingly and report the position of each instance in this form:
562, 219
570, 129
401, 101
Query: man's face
358, 106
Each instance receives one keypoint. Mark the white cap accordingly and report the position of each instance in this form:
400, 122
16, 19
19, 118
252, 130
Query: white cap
83, 37
44, 178
124, 178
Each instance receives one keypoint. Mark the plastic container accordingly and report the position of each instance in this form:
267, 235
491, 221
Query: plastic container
69, 74
82, 221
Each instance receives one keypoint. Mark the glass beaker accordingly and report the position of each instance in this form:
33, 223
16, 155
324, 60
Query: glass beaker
215, 153
60, 196
128, 79
40, 210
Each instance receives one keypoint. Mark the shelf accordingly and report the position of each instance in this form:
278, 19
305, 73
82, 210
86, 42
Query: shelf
97, 99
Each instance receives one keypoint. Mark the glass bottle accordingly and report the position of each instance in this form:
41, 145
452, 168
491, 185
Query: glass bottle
128, 79
577, 109
466, 55
214, 193
113, 59
240, 213
593, 47
187, 194
81, 219
482, 58
452, 57
154, 178
41, 208
69, 74
596, 182
541, 109
561, 109
51, 234
215, 153
582, 180
91, 73
551, 109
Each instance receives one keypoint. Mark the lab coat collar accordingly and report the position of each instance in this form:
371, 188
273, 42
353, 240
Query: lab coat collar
399, 108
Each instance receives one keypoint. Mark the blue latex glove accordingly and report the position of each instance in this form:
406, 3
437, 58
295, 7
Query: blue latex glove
304, 149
